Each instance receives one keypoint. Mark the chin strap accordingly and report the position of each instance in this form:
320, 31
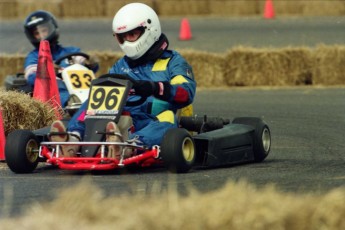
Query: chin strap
156, 50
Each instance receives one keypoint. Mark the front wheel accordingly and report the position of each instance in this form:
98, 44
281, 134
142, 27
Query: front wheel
21, 151
262, 136
178, 150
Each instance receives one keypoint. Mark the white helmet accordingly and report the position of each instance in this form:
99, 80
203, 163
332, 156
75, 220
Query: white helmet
133, 16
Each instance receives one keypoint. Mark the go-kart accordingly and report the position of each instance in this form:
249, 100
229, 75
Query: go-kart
76, 77
197, 142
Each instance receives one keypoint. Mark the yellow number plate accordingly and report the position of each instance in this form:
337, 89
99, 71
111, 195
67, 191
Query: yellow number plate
80, 79
105, 99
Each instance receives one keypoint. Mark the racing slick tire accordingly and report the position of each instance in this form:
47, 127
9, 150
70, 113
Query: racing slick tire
262, 136
178, 150
21, 151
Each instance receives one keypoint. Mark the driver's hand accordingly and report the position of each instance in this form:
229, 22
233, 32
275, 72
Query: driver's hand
144, 88
92, 63
161, 90
57, 70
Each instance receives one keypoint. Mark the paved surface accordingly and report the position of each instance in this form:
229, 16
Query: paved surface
209, 34
307, 150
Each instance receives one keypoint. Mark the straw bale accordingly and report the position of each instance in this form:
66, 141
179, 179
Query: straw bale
111, 6
306, 7
20, 111
8, 9
82, 8
207, 67
286, 7
182, 8
268, 67
10, 64
25, 7
107, 8
329, 65
240, 66
324, 8
106, 60
234, 8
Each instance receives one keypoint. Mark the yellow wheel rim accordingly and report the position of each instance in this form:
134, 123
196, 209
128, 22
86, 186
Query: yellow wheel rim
188, 149
32, 151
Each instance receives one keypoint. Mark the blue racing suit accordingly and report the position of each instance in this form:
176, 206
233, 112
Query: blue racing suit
57, 51
154, 117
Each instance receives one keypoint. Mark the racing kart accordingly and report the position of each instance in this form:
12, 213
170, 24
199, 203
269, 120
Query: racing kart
76, 77
197, 142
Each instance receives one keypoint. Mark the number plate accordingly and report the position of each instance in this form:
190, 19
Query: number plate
80, 79
105, 100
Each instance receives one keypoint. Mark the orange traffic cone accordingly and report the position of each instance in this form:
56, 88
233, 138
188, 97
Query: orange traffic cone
269, 10
46, 89
185, 32
2, 138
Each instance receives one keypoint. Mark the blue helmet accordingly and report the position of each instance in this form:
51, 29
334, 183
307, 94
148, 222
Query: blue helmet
37, 21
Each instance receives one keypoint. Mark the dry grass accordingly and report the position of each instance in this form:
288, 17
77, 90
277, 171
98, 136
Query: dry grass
20, 111
235, 206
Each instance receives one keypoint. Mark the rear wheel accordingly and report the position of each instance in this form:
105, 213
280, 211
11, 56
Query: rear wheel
21, 151
178, 150
262, 136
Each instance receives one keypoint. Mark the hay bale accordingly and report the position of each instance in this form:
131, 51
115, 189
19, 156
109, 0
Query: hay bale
82, 8
207, 67
106, 8
306, 7
234, 8
20, 111
111, 6
268, 67
324, 8
28, 6
11, 64
8, 9
182, 8
284, 7
106, 60
240, 66
329, 65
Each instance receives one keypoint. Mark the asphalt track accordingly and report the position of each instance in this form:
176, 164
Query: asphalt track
307, 123
209, 34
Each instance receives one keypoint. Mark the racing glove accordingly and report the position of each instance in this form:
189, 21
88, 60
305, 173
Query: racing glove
58, 69
160, 90
92, 63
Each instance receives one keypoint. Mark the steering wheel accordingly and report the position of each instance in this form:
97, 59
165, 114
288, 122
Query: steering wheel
70, 55
141, 100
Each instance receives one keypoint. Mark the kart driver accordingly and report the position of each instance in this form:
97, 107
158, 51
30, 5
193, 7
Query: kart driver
41, 25
162, 75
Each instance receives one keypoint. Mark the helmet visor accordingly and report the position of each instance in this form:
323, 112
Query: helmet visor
42, 31
130, 36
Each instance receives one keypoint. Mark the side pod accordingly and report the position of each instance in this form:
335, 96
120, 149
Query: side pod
233, 144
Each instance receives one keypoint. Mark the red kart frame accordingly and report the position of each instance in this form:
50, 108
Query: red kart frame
145, 159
